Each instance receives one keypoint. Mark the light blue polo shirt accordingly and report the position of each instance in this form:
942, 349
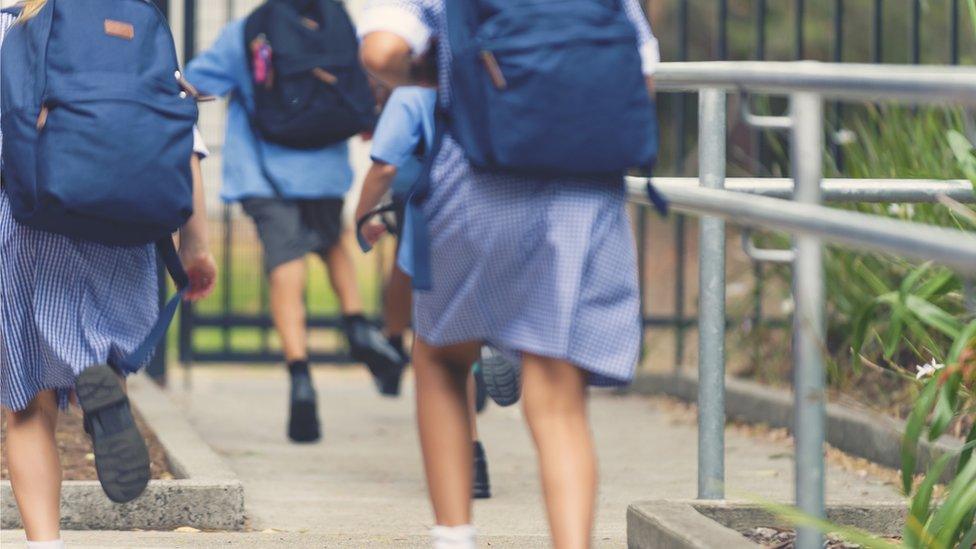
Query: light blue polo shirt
406, 122
321, 173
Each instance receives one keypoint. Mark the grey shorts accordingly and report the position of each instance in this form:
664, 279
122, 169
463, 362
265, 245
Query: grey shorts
290, 229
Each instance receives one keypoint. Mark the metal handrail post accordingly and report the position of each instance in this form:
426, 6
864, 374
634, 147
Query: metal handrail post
809, 324
711, 317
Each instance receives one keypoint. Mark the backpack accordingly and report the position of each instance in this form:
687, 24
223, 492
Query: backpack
544, 88
549, 87
98, 129
309, 88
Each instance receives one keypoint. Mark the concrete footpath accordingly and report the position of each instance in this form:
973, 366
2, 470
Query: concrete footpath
363, 485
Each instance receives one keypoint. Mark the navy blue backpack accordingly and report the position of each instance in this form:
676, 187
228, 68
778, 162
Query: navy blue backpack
310, 90
549, 87
98, 130
543, 88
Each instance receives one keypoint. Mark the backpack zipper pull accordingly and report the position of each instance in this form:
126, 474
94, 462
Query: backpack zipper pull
494, 71
191, 90
42, 117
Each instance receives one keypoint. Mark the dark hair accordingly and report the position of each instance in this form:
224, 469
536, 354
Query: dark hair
424, 69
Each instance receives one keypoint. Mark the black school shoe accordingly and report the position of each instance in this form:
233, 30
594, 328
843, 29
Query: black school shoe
121, 457
503, 378
368, 345
481, 488
480, 389
303, 420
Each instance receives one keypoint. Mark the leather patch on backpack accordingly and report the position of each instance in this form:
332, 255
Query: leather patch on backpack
120, 29
325, 76
310, 24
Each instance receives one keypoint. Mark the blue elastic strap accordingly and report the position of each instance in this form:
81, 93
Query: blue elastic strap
167, 251
657, 199
422, 279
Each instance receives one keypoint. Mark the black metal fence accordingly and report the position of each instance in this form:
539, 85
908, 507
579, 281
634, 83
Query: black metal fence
232, 328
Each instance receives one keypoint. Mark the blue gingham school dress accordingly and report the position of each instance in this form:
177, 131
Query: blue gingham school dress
546, 267
66, 304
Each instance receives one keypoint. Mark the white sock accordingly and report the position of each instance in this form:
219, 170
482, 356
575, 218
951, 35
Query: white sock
56, 544
453, 537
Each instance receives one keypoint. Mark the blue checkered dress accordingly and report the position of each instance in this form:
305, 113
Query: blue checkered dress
65, 304
539, 266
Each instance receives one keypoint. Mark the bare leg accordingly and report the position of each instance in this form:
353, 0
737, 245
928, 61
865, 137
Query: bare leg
554, 399
396, 303
443, 416
35, 468
342, 275
287, 295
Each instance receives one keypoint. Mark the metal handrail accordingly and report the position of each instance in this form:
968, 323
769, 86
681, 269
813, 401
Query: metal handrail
949, 247
841, 189
843, 81
807, 84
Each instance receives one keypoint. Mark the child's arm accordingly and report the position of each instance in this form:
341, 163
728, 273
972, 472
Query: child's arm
194, 242
220, 69
377, 183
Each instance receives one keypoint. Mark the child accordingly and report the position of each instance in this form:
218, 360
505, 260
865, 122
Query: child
544, 268
297, 213
403, 135
69, 307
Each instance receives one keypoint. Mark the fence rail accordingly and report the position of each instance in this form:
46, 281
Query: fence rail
807, 85
917, 191
840, 81
950, 247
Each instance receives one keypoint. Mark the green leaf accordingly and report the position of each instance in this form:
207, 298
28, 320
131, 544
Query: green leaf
948, 523
962, 149
913, 431
934, 316
969, 539
896, 328
922, 500
861, 324
925, 339
966, 336
945, 407
967, 451
913, 277
938, 284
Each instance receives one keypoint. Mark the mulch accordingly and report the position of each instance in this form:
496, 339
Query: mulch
77, 459
780, 538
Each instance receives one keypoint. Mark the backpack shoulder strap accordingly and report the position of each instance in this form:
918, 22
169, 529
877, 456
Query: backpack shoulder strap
171, 259
422, 278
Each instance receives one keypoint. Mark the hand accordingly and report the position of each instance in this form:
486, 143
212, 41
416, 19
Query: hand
201, 268
649, 81
372, 232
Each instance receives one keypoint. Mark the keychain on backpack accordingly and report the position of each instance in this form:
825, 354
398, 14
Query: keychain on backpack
263, 70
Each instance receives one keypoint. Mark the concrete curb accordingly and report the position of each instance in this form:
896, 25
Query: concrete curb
707, 525
205, 495
860, 432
